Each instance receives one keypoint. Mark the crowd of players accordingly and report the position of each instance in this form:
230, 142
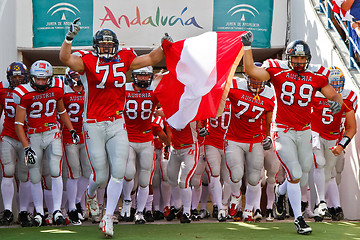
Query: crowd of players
91, 132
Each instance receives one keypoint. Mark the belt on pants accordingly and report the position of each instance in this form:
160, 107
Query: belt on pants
111, 119
40, 130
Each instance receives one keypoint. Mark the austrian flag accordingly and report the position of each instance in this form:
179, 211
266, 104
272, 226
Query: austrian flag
200, 72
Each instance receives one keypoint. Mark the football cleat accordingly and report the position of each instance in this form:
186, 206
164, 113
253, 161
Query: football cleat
174, 212
106, 226
215, 211
74, 218
58, 218
116, 217
248, 216
166, 211
185, 218
269, 215
339, 214
148, 216
125, 210
81, 212
257, 215
39, 220
158, 215
7, 218
195, 215
301, 226
238, 216
234, 204
92, 205
222, 215
204, 213
321, 211
279, 203
25, 219
139, 218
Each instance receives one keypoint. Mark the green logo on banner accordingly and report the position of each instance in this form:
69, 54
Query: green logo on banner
245, 15
52, 18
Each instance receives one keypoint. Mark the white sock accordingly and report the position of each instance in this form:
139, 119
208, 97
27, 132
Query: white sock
294, 194
149, 202
141, 198
100, 195
81, 188
48, 200
166, 193
7, 192
204, 197
113, 192
215, 186
333, 193
258, 197
37, 195
226, 193
270, 195
235, 188
175, 194
71, 192
283, 187
92, 187
156, 198
133, 200
195, 197
24, 195
56, 189
251, 196
127, 188
319, 181
186, 199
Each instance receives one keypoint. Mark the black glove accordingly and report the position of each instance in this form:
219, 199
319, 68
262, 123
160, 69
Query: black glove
203, 132
73, 30
74, 136
267, 143
247, 38
335, 107
30, 156
167, 37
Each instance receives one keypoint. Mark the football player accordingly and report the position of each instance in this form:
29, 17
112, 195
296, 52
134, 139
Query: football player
295, 82
75, 154
251, 102
11, 149
329, 141
38, 101
103, 74
139, 107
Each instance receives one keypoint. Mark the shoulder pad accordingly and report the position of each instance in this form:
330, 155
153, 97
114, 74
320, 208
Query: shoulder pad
351, 96
275, 63
238, 83
4, 84
129, 86
57, 83
319, 94
82, 53
68, 89
268, 92
318, 69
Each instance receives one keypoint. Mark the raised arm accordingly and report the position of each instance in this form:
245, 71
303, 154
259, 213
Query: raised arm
65, 56
258, 73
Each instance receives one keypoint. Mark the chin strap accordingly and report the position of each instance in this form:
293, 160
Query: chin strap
257, 97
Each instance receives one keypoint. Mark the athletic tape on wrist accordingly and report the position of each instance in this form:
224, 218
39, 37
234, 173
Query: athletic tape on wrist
344, 141
247, 47
68, 41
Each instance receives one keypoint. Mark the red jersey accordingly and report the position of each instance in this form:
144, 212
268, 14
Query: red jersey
157, 126
104, 83
247, 112
9, 106
185, 137
217, 128
294, 91
139, 108
322, 119
40, 106
74, 105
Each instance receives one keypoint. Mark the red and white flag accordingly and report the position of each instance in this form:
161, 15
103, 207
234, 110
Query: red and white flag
200, 72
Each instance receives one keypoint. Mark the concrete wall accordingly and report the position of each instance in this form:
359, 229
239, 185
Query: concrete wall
308, 27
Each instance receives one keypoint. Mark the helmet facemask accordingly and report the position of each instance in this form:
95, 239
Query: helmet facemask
105, 43
298, 48
41, 70
143, 77
254, 85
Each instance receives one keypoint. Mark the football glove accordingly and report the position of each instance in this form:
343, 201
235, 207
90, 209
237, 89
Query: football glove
267, 143
30, 156
73, 30
74, 136
203, 132
167, 37
335, 107
247, 38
